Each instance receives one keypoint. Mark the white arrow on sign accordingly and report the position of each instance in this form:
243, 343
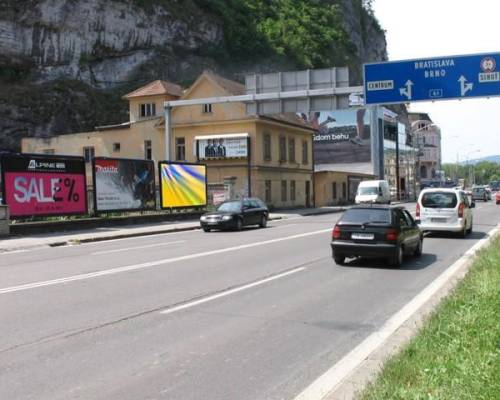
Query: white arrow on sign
406, 91
464, 85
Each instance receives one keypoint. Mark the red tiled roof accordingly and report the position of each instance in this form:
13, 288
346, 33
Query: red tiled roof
232, 87
289, 118
156, 88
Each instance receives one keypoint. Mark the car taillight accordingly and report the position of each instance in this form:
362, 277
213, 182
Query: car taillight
461, 210
417, 211
336, 232
391, 235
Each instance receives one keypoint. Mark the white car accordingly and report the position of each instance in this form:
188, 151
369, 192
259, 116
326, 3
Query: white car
444, 210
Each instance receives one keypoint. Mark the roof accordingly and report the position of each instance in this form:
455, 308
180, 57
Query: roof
289, 118
232, 87
156, 88
124, 125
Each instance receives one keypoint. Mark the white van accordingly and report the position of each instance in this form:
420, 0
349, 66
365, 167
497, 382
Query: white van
446, 210
373, 192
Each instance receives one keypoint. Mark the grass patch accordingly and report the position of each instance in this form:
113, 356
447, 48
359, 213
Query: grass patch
457, 353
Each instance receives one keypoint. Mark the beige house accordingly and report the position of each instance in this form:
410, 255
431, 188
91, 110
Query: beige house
266, 156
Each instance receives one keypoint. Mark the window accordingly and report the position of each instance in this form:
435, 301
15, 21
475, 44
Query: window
268, 195
283, 190
400, 218
334, 190
147, 110
88, 154
344, 190
148, 150
291, 149
207, 108
49, 151
282, 148
116, 147
267, 147
180, 148
292, 190
305, 152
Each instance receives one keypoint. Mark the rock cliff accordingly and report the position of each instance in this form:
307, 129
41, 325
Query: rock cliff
64, 64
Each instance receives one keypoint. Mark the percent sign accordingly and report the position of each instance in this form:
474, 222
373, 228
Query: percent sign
70, 183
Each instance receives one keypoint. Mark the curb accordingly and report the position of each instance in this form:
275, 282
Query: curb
346, 379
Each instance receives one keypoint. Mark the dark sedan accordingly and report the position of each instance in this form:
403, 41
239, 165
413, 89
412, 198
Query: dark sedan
376, 231
236, 214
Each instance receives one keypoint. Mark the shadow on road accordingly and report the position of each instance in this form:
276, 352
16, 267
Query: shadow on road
410, 263
449, 235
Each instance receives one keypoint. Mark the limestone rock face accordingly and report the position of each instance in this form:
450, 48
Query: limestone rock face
64, 64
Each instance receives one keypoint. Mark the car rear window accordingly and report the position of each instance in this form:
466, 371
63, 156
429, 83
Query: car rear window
366, 215
439, 200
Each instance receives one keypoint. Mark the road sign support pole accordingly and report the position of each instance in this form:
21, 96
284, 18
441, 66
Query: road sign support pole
168, 132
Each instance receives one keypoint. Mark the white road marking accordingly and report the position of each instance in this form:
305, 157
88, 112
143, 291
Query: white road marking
327, 382
136, 247
150, 264
230, 291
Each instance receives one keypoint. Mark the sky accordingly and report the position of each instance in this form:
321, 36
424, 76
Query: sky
470, 128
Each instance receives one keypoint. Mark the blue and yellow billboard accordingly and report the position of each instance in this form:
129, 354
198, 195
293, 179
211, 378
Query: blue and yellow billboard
183, 185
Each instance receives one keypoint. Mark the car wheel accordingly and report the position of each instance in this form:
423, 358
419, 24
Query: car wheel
463, 233
239, 224
418, 249
263, 221
397, 260
205, 229
339, 259
469, 231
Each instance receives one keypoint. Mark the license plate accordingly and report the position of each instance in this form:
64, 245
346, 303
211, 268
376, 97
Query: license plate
362, 236
438, 219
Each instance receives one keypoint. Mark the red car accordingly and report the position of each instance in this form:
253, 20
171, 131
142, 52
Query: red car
497, 197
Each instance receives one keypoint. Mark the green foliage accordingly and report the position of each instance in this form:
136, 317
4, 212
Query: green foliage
309, 32
482, 173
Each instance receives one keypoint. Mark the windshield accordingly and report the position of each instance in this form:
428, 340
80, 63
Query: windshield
368, 190
366, 216
439, 200
478, 190
230, 206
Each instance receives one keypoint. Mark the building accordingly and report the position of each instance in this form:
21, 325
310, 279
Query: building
428, 136
265, 156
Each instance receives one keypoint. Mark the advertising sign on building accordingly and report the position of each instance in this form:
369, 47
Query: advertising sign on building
123, 184
182, 185
36, 184
222, 146
342, 141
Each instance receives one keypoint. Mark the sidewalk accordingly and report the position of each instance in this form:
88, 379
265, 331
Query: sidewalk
17, 243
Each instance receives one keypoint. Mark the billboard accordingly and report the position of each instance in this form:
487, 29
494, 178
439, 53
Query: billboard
123, 184
342, 141
39, 184
222, 146
182, 185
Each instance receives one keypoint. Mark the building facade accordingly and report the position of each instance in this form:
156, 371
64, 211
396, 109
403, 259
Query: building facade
264, 156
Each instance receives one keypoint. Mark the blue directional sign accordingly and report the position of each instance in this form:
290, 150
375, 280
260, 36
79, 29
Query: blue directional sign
442, 78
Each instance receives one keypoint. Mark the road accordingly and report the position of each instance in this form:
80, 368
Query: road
257, 314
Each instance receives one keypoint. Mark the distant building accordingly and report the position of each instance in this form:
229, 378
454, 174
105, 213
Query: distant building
265, 156
428, 136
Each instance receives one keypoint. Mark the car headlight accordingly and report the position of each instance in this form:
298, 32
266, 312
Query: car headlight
227, 217
203, 218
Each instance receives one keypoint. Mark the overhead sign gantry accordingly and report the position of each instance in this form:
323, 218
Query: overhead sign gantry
430, 79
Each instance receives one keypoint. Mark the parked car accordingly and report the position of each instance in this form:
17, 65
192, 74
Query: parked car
497, 197
235, 214
376, 231
445, 210
479, 193
373, 192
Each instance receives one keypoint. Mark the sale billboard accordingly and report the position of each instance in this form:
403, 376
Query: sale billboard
182, 185
123, 184
39, 184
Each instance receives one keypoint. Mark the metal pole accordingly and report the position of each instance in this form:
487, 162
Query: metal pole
168, 133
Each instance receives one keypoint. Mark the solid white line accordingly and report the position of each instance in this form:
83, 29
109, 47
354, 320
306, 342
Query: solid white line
150, 264
230, 291
327, 382
137, 247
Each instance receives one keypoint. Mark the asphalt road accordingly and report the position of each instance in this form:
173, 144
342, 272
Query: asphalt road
257, 314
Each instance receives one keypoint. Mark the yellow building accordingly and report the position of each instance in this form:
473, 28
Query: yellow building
263, 156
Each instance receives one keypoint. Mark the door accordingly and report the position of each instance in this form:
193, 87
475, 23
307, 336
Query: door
406, 231
308, 194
